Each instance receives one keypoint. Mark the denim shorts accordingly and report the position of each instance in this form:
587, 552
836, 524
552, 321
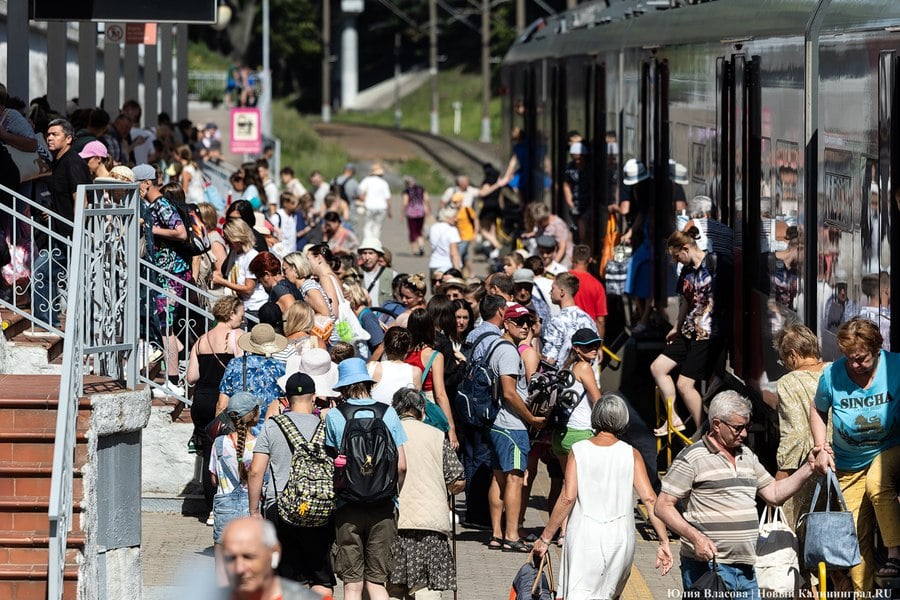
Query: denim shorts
226, 508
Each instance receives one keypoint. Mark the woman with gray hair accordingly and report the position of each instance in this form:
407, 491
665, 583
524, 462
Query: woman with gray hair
424, 563
597, 498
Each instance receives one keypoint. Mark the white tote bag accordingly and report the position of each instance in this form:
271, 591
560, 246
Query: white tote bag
777, 567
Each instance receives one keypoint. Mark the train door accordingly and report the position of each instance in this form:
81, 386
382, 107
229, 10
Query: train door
739, 173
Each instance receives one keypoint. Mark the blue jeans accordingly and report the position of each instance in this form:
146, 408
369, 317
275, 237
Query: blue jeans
228, 507
738, 578
49, 269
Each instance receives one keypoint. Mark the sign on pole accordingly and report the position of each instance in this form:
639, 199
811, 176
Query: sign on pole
246, 131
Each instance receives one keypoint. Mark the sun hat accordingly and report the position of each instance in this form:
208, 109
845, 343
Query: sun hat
376, 169
523, 276
144, 172
371, 243
123, 173
263, 340
585, 336
299, 384
352, 370
242, 403
316, 363
92, 149
635, 171
453, 282
678, 173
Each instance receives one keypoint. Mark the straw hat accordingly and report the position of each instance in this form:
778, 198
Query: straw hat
376, 169
262, 340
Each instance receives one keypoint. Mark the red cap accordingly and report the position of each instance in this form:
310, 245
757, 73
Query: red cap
514, 311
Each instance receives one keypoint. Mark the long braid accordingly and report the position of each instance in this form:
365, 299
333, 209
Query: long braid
241, 429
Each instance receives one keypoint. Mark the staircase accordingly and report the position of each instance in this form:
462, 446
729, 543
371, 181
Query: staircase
28, 406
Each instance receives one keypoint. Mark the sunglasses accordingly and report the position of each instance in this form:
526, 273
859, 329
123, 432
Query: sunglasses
522, 321
737, 429
590, 347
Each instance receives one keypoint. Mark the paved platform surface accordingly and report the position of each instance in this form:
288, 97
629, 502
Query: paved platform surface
178, 559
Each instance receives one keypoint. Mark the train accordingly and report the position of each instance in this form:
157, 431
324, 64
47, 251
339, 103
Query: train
784, 113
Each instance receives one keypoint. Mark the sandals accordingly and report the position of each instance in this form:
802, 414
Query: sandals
495, 543
518, 545
890, 568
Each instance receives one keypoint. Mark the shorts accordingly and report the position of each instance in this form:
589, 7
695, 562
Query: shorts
509, 449
363, 540
228, 507
694, 357
305, 551
564, 438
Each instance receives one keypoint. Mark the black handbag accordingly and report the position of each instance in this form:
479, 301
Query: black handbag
708, 585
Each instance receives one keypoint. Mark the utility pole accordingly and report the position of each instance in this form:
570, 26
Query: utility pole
485, 71
433, 59
326, 61
266, 95
520, 16
398, 112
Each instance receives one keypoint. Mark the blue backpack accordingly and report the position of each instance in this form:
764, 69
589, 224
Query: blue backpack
479, 395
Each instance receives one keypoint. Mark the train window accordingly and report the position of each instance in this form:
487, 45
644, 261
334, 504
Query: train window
873, 219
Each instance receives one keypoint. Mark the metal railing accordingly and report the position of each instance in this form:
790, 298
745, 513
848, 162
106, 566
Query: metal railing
111, 307
81, 268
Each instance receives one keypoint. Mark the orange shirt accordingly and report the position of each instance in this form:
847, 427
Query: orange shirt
465, 223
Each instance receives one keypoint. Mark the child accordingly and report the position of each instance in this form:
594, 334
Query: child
229, 474
286, 221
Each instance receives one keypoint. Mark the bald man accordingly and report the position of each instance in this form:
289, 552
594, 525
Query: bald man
251, 552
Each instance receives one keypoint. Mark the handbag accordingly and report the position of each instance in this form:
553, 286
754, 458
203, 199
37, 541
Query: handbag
709, 585
434, 414
830, 534
534, 581
777, 567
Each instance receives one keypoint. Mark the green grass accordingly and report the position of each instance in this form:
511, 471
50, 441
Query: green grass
201, 58
453, 86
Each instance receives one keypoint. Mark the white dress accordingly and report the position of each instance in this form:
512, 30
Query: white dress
599, 547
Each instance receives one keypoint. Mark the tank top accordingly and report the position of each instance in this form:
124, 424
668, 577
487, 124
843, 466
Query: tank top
414, 358
394, 376
581, 416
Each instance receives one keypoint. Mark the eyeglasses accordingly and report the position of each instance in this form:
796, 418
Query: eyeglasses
737, 429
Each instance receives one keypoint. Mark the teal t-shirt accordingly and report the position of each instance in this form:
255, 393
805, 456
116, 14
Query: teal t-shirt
865, 420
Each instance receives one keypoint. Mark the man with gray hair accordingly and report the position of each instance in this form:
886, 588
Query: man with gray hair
718, 479
252, 553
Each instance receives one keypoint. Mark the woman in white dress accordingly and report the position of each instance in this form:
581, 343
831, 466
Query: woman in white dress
597, 497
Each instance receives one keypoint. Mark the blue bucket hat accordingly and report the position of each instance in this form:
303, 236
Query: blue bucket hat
242, 403
352, 370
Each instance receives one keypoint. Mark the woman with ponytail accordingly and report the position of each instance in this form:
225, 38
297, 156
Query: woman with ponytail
231, 457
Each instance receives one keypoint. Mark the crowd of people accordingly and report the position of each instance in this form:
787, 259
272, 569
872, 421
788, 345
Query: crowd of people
373, 381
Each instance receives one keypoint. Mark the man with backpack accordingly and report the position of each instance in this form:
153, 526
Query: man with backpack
367, 439
288, 444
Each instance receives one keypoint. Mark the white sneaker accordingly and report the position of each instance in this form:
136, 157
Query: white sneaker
168, 390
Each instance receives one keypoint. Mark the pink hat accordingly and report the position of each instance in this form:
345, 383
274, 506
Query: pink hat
92, 149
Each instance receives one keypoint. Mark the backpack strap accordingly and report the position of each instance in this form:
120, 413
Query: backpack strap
376, 280
223, 468
290, 430
481, 338
434, 354
349, 410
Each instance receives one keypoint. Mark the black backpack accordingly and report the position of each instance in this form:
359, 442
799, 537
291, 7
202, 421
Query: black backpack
197, 241
479, 395
370, 474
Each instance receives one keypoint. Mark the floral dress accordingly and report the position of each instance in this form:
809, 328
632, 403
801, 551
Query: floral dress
169, 260
261, 380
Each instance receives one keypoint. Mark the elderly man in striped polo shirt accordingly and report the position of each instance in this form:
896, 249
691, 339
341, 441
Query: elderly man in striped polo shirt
719, 479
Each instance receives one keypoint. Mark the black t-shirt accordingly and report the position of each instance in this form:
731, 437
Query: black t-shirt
283, 288
580, 183
69, 171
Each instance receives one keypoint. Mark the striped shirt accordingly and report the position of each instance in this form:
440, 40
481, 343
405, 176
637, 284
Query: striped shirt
720, 499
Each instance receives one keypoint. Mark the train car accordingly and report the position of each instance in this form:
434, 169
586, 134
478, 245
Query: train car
780, 111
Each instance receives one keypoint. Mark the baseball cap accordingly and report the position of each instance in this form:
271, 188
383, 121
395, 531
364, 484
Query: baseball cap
523, 276
242, 403
92, 149
586, 336
515, 310
299, 384
144, 172
546, 241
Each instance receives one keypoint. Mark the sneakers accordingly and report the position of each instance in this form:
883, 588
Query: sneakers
167, 390
211, 519
148, 354
663, 430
